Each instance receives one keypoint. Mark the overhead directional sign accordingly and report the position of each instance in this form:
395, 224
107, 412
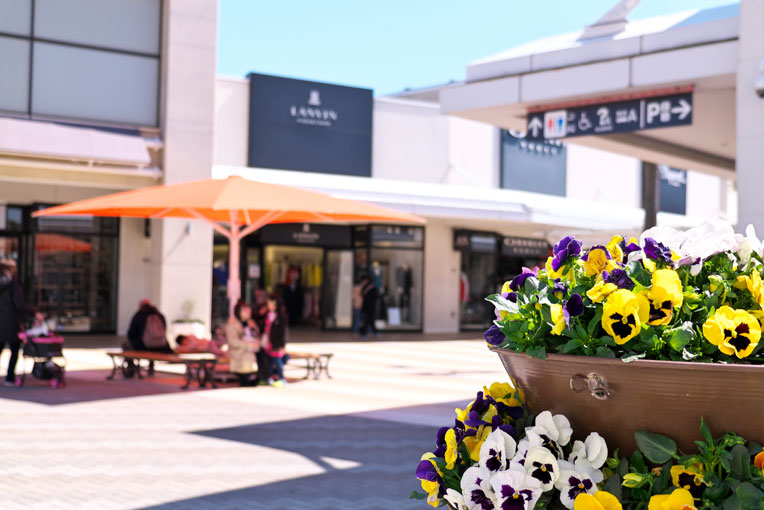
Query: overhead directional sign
612, 117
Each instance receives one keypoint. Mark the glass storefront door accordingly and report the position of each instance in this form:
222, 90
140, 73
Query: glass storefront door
338, 290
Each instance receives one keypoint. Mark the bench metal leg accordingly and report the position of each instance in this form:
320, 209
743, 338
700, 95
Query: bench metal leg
208, 367
189, 376
323, 362
114, 368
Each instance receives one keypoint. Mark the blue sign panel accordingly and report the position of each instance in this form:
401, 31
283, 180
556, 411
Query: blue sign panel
614, 117
309, 126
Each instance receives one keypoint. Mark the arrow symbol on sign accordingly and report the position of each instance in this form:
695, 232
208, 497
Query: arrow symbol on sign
683, 109
534, 125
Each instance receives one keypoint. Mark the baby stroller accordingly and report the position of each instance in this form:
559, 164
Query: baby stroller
42, 350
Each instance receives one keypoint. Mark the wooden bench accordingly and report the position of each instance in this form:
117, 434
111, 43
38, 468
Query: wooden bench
199, 366
315, 365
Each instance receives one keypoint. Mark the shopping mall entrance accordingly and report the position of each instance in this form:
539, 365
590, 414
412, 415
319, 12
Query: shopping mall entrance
314, 268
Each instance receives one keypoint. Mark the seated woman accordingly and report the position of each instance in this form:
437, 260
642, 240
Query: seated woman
190, 343
241, 336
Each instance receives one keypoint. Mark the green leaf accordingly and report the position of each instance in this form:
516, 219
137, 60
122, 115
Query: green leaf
417, 495
613, 486
706, 433
679, 337
656, 447
595, 321
537, 352
571, 345
604, 352
502, 303
638, 462
740, 461
749, 496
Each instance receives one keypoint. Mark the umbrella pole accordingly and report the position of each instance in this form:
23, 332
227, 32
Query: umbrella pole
234, 282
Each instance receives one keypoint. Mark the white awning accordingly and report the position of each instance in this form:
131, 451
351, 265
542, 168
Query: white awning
54, 141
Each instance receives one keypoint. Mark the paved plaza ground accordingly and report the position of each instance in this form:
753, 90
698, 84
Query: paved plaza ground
351, 442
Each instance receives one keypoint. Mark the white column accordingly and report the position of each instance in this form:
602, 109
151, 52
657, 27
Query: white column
441, 279
182, 249
750, 118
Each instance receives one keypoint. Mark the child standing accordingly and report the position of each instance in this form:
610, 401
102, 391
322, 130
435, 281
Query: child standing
275, 336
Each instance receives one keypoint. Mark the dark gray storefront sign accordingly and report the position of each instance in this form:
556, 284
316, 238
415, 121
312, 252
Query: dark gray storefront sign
308, 234
533, 165
525, 247
672, 195
480, 242
309, 126
611, 117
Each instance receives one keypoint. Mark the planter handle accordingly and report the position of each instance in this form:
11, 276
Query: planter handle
593, 382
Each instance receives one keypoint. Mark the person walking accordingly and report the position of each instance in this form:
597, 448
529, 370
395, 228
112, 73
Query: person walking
13, 308
274, 338
358, 304
369, 309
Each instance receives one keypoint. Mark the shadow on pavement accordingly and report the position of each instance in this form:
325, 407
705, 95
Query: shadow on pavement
369, 464
91, 385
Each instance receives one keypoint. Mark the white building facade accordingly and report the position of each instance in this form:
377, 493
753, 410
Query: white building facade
464, 177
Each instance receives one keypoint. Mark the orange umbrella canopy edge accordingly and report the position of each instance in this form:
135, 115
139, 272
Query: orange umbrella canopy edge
216, 199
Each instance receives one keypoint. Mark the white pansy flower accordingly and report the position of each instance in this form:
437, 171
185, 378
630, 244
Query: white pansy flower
455, 499
517, 463
552, 432
497, 450
515, 488
571, 484
542, 465
477, 491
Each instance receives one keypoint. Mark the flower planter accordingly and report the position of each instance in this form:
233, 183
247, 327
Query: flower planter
616, 398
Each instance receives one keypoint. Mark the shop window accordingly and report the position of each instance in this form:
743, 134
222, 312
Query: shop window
74, 281
14, 219
397, 275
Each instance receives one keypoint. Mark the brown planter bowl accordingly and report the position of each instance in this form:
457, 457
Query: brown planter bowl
667, 397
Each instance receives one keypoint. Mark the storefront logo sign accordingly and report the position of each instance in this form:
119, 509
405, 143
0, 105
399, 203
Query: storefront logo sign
306, 236
311, 114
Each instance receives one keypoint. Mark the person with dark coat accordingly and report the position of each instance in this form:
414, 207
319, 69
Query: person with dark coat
369, 309
13, 309
275, 336
138, 327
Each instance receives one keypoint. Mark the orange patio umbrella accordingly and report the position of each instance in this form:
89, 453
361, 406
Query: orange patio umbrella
235, 207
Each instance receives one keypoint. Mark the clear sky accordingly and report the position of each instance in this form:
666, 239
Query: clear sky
388, 45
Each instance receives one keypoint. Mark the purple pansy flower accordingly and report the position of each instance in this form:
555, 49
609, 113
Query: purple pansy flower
619, 278
559, 286
656, 250
493, 335
628, 248
573, 307
567, 247
519, 280
425, 470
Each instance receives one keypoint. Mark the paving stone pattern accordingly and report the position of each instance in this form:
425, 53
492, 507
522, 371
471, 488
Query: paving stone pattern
351, 442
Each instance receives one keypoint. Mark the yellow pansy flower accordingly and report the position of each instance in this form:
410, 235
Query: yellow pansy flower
451, 454
601, 290
623, 315
504, 392
562, 272
600, 500
690, 478
758, 461
680, 499
665, 295
733, 331
598, 259
614, 247
558, 318
473, 443
754, 286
